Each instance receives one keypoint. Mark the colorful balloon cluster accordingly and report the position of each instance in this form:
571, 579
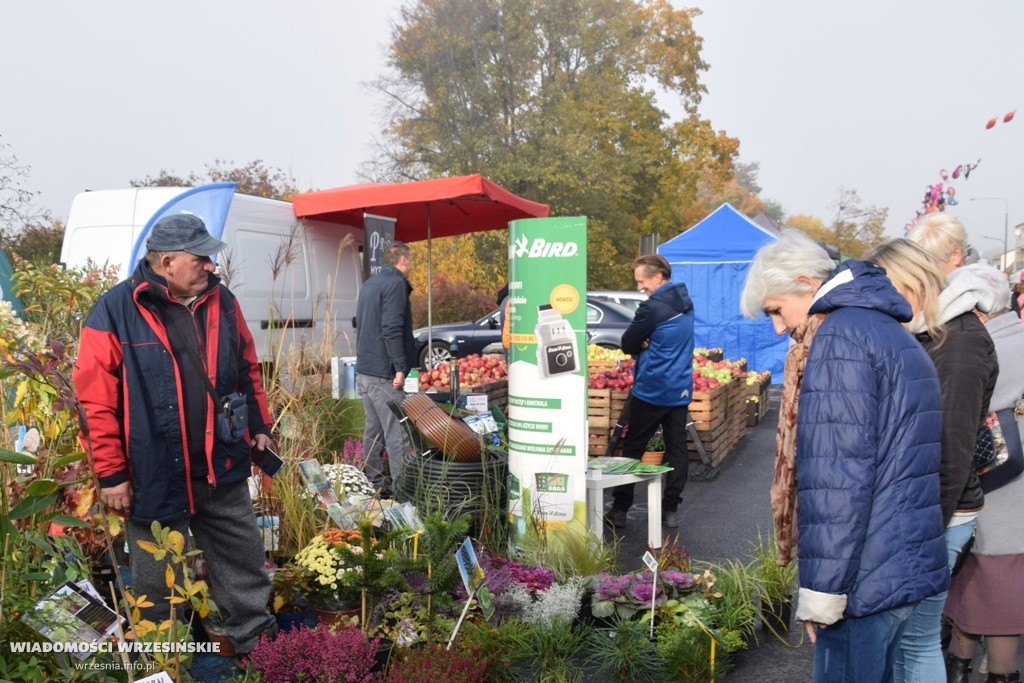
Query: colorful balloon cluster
941, 195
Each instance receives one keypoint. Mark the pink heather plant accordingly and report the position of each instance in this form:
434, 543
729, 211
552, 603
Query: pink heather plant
352, 453
320, 654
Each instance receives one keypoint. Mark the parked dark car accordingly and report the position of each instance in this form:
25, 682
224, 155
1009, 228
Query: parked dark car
605, 324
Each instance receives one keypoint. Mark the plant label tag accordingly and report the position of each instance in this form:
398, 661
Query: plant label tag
649, 560
161, 677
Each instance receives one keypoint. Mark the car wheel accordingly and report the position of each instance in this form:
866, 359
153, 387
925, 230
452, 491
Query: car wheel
437, 352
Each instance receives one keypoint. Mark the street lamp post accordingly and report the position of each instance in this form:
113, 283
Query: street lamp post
1006, 228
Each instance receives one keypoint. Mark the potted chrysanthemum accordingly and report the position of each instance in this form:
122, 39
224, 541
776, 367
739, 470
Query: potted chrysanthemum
324, 576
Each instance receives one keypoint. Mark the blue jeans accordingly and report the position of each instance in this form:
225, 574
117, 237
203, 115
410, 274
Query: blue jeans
919, 659
861, 649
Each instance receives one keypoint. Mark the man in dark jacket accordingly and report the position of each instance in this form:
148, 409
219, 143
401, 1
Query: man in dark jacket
660, 339
385, 352
147, 349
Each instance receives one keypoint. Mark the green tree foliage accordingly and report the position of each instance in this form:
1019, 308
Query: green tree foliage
24, 229
553, 99
856, 228
38, 243
255, 178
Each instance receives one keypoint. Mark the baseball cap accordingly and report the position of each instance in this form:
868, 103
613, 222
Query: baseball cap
183, 232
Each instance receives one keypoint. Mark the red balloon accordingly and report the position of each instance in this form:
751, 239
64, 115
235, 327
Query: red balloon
1009, 116
991, 123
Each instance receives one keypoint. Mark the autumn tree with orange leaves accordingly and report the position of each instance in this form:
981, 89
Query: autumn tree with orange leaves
554, 101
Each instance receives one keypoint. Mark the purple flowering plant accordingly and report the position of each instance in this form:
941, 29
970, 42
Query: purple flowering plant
320, 654
625, 595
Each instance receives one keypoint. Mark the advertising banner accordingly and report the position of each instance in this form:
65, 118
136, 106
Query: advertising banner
547, 374
378, 234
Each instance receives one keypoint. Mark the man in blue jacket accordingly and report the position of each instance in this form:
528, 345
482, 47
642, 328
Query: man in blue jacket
385, 352
660, 339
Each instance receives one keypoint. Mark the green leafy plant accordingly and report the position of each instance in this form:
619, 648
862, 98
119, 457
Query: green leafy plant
626, 653
656, 443
548, 649
576, 552
441, 537
686, 653
736, 608
774, 579
504, 642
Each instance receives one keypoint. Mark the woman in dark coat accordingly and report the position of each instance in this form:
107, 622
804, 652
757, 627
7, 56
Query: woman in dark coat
965, 359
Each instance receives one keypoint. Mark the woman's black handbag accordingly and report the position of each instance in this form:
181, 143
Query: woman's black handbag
998, 453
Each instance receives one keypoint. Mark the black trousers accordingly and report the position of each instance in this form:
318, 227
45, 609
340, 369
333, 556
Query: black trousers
643, 421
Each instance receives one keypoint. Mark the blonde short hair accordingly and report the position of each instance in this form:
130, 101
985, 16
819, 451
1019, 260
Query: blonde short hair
914, 270
940, 234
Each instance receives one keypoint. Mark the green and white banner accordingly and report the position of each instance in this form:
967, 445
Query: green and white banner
547, 374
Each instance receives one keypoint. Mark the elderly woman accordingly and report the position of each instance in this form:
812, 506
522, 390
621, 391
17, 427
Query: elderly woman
965, 360
987, 595
943, 236
867, 456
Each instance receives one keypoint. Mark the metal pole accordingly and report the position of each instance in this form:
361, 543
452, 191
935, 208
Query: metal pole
430, 313
1006, 229
1006, 238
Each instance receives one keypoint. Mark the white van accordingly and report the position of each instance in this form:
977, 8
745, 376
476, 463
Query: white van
306, 301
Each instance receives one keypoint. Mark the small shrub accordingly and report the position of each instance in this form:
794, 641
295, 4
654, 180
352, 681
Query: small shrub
435, 664
316, 655
626, 653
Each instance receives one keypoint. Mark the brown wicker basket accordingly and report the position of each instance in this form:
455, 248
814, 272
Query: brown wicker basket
452, 437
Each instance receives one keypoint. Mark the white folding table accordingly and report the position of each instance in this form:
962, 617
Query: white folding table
598, 481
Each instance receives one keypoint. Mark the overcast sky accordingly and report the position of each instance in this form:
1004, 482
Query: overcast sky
877, 95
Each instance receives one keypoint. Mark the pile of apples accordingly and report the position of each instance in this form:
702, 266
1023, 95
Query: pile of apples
595, 352
617, 380
474, 370
758, 377
702, 382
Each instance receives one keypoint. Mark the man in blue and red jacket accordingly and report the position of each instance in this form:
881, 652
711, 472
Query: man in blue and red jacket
150, 349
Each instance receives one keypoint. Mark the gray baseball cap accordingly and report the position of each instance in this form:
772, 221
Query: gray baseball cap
183, 232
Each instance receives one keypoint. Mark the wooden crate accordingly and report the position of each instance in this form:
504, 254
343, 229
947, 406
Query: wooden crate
618, 403
597, 444
497, 392
596, 366
708, 408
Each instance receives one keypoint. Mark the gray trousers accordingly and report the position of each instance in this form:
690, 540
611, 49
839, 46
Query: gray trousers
224, 528
382, 429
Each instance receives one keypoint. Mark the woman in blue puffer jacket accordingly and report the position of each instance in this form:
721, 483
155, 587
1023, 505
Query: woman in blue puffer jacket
870, 542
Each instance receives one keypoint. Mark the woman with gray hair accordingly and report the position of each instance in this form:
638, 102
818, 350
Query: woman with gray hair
986, 597
866, 455
793, 265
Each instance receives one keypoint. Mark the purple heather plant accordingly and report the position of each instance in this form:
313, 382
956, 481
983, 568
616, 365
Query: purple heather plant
352, 453
536, 579
320, 654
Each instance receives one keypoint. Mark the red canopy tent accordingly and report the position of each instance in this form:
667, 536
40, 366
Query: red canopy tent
422, 209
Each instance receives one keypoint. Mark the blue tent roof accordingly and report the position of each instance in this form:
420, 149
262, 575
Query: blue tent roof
712, 259
724, 236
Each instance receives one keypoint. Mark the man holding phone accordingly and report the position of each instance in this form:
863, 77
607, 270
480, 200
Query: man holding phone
169, 380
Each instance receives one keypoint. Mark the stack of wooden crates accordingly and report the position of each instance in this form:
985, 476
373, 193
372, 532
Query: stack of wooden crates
604, 406
720, 417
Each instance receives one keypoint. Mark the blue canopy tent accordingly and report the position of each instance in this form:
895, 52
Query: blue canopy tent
712, 259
